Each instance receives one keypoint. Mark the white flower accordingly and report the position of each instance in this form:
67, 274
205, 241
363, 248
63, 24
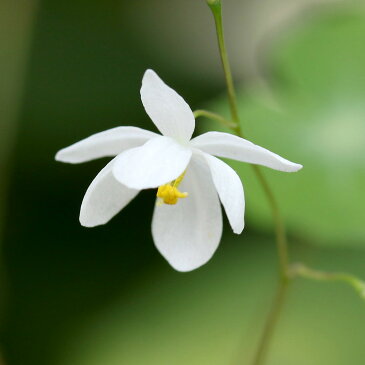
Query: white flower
186, 227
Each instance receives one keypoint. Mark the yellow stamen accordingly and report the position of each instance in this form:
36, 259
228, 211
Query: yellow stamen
169, 193
177, 182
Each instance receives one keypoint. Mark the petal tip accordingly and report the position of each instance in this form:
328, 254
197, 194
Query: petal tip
86, 225
185, 267
239, 230
149, 73
64, 156
58, 156
296, 167
89, 224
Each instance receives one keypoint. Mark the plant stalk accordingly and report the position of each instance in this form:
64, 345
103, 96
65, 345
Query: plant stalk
281, 240
217, 13
207, 114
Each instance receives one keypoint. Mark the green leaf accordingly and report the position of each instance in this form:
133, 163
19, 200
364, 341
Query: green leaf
313, 113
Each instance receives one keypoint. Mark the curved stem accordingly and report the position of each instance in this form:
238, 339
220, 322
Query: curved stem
205, 113
281, 240
299, 269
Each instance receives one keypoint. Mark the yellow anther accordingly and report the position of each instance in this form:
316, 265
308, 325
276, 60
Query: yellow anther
169, 193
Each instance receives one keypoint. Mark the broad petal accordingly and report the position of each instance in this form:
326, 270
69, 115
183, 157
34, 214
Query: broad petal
157, 162
107, 143
167, 109
104, 198
230, 191
188, 233
230, 146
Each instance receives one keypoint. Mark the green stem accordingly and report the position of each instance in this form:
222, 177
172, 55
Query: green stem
299, 269
281, 241
205, 113
216, 8
271, 321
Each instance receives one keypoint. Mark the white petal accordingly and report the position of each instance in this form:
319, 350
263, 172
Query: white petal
104, 198
188, 233
157, 162
167, 109
230, 146
107, 143
230, 191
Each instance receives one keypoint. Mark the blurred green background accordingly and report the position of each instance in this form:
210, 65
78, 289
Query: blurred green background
77, 296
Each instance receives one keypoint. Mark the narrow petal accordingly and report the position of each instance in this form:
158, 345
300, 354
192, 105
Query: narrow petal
188, 233
157, 162
167, 109
104, 198
107, 143
230, 191
230, 146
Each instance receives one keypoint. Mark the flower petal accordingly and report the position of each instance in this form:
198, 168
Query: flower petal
104, 198
157, 162
230, 191
167, 109
107, 143
230, 146
188, 233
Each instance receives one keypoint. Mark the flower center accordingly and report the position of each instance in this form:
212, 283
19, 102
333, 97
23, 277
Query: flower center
169, 193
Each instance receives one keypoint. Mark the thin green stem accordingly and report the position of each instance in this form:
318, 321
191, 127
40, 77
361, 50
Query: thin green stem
292, 270
284, 279
271, 321
281, 241
299, 269
216, 8
205, 113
